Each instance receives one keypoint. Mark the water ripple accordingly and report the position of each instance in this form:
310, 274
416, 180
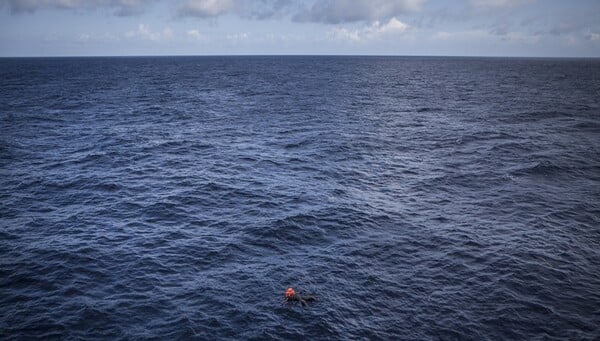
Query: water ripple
418, 198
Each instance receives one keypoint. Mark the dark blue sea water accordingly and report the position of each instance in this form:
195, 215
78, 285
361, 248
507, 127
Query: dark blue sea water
418, 198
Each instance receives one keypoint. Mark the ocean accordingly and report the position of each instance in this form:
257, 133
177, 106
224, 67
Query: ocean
424, 198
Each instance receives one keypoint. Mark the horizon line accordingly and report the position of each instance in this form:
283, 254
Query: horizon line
299, 55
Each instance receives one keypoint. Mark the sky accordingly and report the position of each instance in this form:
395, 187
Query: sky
538, 28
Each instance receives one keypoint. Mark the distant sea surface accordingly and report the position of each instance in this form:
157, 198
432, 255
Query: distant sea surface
417, 198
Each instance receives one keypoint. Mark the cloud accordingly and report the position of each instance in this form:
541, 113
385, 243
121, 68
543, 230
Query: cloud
266, 9
342, 11
342, 33
519, 37
167, 33
566, 27
119, 7
205, 8
84, 38
195, 34
237, 37
257, 9
326, 11
23, 6
571, 21
571, 41
144, 32
462, 35
592, 36
373, 31
483, 35
499, 4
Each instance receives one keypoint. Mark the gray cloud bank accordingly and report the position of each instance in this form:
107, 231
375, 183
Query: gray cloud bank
341, 11
119, 7
320, 11
257, 9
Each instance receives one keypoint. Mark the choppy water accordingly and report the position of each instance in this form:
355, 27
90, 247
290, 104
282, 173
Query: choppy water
418, 198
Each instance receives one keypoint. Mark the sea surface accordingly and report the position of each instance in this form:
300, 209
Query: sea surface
417, 198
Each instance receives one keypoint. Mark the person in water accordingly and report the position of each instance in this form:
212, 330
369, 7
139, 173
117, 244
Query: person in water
292, 296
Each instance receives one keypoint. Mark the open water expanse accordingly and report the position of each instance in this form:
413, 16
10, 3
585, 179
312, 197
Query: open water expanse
418, 198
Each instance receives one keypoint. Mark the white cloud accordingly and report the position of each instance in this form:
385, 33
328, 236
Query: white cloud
373, 31
483, 35
195, 34
341, 11
342, 33
593, 36
144, 32
518, 37
394, 25
95, 37
237, 37
571, 41
84, 38
167, 33
462, 35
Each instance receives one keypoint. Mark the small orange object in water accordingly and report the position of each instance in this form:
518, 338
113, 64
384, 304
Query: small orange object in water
289, 293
